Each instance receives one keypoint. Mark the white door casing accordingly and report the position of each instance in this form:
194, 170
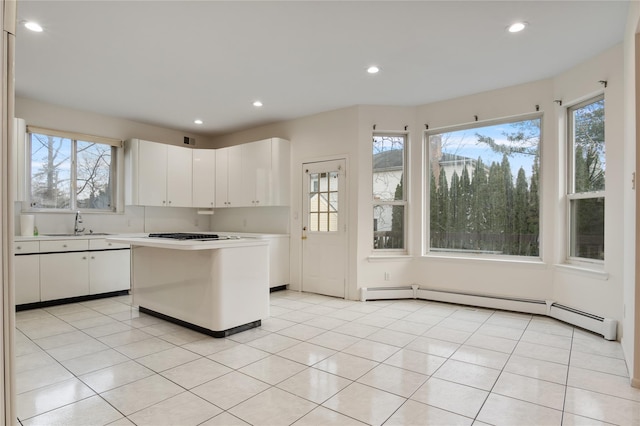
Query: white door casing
324, 228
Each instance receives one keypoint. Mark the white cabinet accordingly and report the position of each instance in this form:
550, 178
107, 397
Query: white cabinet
256, 173
158, 174
58, 269
279, 190
204, 178
253, 174
109, 271
266, 172
179, 176
64, 275
27, 272
229, 177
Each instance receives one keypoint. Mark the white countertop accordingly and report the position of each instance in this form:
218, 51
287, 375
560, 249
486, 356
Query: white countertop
166, 243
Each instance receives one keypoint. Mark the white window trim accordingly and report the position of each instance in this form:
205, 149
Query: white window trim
427, 251
117, 196
574, 263
395, 253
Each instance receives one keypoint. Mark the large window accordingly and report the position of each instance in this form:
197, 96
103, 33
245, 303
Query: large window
586, 180
68, 173
389, 199
483, 189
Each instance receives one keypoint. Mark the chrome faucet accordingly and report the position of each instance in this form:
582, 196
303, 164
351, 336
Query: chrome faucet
76, 230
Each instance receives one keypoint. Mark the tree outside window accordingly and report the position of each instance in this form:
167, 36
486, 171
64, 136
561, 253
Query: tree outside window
69, 174
483, 189
586, 186
389, 200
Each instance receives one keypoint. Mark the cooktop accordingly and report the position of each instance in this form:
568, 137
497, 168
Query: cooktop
188, 236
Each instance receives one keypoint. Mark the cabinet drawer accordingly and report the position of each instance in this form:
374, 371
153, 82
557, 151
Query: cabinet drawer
103, 244
20, 247
63, 245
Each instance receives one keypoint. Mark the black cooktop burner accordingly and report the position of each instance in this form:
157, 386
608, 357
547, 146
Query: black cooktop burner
187, 236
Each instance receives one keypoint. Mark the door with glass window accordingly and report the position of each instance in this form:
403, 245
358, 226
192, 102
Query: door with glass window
324, 232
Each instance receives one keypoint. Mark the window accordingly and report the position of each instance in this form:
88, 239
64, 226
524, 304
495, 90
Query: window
323, 202
389, 196
71, 172
483, 188
586, 179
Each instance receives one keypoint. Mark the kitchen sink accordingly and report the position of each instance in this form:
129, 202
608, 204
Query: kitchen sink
75, 235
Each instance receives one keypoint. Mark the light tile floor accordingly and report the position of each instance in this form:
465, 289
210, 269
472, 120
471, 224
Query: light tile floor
318, 361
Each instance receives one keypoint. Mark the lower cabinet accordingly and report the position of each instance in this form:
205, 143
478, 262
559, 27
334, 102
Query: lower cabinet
64, 275
109, 271
42, 274
27, 278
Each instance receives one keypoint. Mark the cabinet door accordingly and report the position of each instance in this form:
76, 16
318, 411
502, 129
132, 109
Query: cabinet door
152, 174
179, 176
280, 173
204, 177
234, 177
222, 177
256, 171
64, 275
229, 191
109, 271
27, 278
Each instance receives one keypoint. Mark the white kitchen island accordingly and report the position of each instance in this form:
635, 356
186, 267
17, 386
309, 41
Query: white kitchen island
215, 287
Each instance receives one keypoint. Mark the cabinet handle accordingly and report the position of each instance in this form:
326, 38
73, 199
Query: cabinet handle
169, 202
18, 248
84, 257
64, 245
93, 257
109, 244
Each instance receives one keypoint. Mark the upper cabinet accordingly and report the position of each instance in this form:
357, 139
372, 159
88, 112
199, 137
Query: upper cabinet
248, 175
204, 178
229, 177
157, 174
253, 174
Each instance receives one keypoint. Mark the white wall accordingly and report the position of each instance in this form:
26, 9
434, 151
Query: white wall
592, 292
50, 116
349, 132
630, 296
133, 218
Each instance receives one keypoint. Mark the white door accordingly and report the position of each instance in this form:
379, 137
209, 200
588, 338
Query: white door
324, 233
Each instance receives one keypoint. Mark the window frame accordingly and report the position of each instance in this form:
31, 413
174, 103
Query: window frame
471, 254
391, 203
114, 170
570, 193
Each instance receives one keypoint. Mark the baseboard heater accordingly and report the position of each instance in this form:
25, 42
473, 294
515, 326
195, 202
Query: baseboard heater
606, 327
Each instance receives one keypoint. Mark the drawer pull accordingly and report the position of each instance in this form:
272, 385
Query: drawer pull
19, 248
64, 245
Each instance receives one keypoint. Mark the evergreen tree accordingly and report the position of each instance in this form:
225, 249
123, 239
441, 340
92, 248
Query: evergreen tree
533, 213
508, 228
442, 193
397, 219
464, 214
455, 211
520, 214
479, 196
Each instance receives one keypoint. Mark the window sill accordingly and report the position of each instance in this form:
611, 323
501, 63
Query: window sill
390, 258
592, 272
535, 263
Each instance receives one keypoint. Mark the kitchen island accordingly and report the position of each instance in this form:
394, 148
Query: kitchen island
217, 287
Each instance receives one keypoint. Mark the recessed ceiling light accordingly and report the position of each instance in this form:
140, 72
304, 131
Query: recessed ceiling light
373, 69
517, 27
33, 26
257, 103
198, 121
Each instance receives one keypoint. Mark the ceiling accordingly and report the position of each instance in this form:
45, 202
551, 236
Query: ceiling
167, 63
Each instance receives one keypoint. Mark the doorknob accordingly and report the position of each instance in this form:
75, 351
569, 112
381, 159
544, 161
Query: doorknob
304, 229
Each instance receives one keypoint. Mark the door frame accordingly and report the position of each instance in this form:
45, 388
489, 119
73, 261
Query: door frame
302, 193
